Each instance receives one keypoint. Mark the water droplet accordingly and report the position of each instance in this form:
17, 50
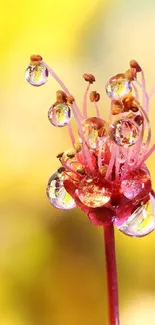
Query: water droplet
124, 132
60, 115
36, 75
93, 195
94, 130
56, 193
141, 222
121, 158
69, 159
137, 185
131, 162
118, 86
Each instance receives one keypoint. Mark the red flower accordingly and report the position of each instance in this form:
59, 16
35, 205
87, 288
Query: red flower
104, 173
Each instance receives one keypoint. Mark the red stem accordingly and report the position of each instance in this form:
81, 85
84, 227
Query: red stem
109, 241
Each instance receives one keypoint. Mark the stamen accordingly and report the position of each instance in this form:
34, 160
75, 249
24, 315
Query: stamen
112, 161
145, 103
85, 101
136, 91
148, 136
117, 164
70, 130
148, 154
151, 93
97, 109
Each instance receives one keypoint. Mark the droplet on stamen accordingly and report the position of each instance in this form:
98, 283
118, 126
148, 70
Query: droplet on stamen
36, 75
136, 185
56, 193
118, 86
94, 130
60, 114
124, 132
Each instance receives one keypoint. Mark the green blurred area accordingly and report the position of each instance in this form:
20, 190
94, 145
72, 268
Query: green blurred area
52, 268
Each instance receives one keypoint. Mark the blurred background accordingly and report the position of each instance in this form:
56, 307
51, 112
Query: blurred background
52, 269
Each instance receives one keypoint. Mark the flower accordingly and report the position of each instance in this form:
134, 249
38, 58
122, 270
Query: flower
105, 172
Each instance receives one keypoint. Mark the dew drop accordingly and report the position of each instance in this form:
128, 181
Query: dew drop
56, 193
118, 86
137, 185
131, 162
95, 129
69, 159
36, 75
60, 115
141, 222
124, 132
93, 195
121, 158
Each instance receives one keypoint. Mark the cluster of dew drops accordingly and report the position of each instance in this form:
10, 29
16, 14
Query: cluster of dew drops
107, 164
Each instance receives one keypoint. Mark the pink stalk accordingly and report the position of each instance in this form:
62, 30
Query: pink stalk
100, 154
148, 154
112, 161
85, 101
148, 136
136, 91
152, 92
144, 111
109, 242
138, 146
100, 157
145, 103
97, 109
71, 134
117, 164
143, 79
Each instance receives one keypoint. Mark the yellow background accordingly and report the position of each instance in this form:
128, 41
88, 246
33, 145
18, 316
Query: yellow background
52, 269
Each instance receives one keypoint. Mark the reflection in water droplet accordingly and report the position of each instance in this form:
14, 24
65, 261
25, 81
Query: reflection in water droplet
137, 185
141, 222
93, 195
36, 75
124, 132
57, 194
60, 115
94, 129
118, 86
121, 158
70, 160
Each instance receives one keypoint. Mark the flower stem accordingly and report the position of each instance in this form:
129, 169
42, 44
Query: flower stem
109, 241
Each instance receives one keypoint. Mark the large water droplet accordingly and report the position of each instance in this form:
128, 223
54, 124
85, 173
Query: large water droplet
118, 86
124, 132
69, 159
60, 114
57, 194
36, 75
121, 158
136, 185
93, 195
141, 222
94, 129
